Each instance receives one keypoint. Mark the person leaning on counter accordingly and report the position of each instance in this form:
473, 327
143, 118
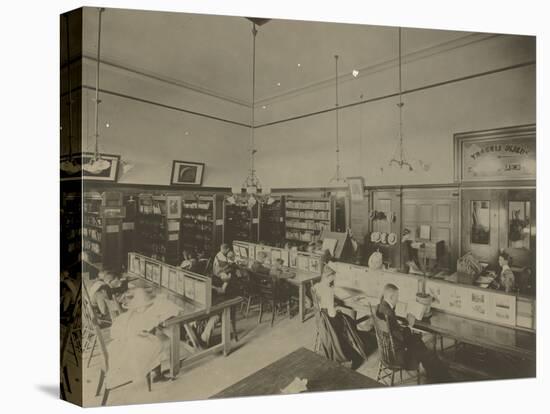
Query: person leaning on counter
506, 279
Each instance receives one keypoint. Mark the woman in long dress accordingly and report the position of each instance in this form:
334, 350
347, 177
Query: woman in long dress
339, 338
138, 344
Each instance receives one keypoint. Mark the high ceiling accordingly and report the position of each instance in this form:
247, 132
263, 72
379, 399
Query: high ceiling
214, 53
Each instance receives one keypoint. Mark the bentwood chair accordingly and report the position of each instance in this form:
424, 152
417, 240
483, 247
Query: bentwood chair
388, 365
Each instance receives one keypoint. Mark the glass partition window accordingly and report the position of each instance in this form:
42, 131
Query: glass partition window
519, 224
480, 222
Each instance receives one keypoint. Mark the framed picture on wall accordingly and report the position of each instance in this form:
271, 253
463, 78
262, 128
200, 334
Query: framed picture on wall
356, 187
187, 173
174, 208
496, 155
84, 166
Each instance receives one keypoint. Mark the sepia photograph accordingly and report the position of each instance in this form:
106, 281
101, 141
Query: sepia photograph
359, 211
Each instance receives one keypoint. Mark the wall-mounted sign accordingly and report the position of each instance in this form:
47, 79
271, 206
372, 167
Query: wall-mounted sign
505, 154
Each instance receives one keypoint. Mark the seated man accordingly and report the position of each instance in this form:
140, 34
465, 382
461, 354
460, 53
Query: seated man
409, 347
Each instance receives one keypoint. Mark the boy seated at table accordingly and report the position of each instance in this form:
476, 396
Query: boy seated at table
258, 265
409, 348
220, 260
101, 294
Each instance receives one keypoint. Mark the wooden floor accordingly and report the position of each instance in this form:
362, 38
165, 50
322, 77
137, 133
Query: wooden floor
258, 346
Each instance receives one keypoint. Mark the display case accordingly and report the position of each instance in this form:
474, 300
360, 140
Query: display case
202, 223
102, 216
158, 227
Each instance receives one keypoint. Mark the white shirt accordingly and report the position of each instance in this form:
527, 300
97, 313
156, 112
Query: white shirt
325, 294
218, 260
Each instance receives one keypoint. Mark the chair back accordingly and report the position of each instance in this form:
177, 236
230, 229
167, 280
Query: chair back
113, 306
316, 305
384, 339
262, 285
91, 329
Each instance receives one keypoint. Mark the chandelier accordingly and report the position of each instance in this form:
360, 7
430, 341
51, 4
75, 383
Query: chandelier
252, 184
337, 177
399, 158
97, 164
69, 166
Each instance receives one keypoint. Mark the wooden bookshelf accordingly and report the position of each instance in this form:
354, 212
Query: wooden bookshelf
71, 228
202, 223
306, 218
102, 216
272, 220
241, 222
130, 203
158, 227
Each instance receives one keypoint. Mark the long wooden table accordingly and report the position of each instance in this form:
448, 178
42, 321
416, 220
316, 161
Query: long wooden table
175, 325
321, 374
191, 312
299, 278
507, 340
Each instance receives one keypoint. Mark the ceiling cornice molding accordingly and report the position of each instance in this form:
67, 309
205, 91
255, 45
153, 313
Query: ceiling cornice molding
315, 86
381, 66
172, 82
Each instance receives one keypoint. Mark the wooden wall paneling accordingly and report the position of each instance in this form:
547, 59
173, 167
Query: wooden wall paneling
359, 219
437, 208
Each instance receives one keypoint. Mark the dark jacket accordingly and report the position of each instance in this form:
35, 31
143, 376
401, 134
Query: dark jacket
400, 334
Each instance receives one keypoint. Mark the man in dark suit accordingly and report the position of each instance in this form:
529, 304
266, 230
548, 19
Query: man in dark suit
409, 347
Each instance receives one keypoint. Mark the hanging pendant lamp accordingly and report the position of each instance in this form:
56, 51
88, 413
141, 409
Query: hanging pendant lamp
399, 158
69, 166
97, 164
252, 184
337, 177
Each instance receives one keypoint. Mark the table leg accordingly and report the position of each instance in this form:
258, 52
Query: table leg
226, 331
175, 351
302, 305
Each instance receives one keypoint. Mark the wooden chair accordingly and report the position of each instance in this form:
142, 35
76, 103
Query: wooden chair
269, 291
90, 319
388, 365
317, 315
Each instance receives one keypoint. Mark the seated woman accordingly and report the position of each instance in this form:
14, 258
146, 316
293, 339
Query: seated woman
139, 344
340, 340
506, 280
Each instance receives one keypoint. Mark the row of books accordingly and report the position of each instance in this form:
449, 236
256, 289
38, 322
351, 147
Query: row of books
308, 214
91, 246
300, 235
308, 204
197, 205
156, 208
307, 225
92, 234
197, 217
93, 221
